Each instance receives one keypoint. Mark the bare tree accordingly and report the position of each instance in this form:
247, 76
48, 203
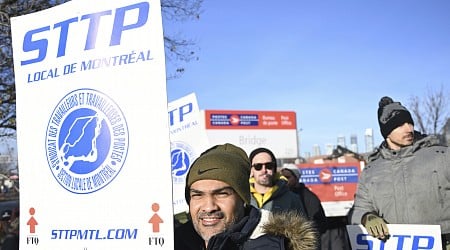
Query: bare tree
431, 111
178, 50
8, 9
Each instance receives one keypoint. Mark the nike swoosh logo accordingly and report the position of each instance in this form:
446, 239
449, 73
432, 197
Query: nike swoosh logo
200, 172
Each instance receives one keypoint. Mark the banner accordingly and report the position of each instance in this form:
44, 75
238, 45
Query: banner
402, 236
188, 140
92, 130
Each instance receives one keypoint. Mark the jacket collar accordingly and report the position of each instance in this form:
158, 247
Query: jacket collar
420, 141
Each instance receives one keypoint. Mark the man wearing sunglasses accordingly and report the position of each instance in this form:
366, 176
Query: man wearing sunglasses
268, 188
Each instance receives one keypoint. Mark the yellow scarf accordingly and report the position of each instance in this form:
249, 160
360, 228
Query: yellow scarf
263, 198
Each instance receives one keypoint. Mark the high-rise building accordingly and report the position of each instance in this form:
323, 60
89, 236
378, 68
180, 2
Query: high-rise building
306, 155
341, 140
316, 150
369, 139
354, 143
329, 148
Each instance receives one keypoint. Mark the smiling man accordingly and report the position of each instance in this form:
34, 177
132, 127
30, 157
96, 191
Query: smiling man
218, 194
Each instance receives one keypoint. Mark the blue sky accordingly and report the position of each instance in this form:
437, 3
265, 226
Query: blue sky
329, 61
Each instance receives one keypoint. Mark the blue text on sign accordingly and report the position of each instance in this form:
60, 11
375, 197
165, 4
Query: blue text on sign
416, 242
119, 26
176, 115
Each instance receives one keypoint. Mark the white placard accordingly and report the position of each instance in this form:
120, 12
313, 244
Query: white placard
92, 130
402, 236
188, 140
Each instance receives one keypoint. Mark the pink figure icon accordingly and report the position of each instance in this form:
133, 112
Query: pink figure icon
32, 221
155, 220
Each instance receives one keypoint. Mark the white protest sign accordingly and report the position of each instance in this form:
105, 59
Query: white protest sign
93, 166
402, 236
188, 140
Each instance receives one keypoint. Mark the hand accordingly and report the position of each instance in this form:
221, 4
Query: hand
376, 226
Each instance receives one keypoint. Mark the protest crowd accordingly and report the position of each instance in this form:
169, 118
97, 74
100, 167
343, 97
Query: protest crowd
240, 201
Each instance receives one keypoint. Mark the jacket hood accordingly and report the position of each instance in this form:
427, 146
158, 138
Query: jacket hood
297, 229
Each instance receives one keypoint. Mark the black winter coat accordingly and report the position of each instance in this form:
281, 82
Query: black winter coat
313, 206
281, 231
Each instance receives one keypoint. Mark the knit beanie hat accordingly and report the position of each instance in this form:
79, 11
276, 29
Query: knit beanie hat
262, 150
293, 169
392, 115
227, 163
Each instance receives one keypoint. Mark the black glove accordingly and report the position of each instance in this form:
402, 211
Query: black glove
376, 226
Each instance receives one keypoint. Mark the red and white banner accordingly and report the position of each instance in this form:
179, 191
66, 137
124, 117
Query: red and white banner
334, 183
276, 130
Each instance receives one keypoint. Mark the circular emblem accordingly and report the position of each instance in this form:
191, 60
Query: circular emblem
325, 175
181, 155
86, 141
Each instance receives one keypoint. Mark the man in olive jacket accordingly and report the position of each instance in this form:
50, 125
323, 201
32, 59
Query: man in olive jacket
218, 194
406, 180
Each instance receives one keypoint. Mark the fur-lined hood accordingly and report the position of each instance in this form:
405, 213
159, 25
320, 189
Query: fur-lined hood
299, 230
259, 229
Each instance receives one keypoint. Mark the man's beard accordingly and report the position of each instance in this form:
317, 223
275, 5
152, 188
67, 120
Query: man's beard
408, 137
267, 182
206, 233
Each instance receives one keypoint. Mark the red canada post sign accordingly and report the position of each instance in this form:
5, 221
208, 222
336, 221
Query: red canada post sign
232, 119
331, 181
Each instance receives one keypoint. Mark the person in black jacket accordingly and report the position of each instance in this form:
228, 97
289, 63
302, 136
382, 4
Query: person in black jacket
10, 229
269, 189
310, 201
218, 194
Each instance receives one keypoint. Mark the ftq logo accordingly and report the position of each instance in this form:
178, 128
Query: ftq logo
181, 157
86, 141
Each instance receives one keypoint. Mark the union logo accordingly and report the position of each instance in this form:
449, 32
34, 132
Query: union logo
181, 157
86, 141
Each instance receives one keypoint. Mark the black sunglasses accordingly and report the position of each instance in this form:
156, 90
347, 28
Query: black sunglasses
269, 165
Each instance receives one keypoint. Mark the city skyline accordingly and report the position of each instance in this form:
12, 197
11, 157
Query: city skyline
341, 141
